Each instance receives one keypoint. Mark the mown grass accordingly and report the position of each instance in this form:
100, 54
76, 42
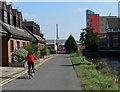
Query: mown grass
90, 77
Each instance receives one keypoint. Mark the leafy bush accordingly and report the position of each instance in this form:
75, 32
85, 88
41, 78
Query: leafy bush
31, 48
19, 55
103, 66
45, 51
71, 45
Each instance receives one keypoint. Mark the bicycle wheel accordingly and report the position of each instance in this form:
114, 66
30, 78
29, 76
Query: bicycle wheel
30, 74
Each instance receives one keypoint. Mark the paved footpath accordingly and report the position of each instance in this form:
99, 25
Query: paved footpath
55, 74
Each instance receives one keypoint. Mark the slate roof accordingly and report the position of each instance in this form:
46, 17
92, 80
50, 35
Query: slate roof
113, 23
38, 38
16, 31
2, 30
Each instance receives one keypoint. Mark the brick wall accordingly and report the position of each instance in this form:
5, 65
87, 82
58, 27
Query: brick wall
5, 39
114, 39
15, 46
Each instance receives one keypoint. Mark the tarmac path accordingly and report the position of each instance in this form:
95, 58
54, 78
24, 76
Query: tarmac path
56, 73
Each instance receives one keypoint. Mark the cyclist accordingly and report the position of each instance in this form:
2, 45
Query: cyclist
30, 61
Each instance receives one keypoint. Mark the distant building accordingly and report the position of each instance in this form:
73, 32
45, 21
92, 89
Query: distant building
51, 44
87, 13
32, 26
113, 33
93, 22
103, 23
17, 18
102, 31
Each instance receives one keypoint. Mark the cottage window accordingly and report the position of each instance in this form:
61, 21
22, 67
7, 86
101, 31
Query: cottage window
17, 44
5, 16
23, 43
11, 45
10, 19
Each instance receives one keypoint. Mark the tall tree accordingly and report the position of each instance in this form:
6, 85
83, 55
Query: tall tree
71, 45
90, 39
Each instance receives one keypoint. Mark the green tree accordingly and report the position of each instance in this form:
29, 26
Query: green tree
31, 48
82, 38
90, 39
71, 45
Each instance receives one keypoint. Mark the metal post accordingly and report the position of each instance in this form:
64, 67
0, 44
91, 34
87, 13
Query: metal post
57, 36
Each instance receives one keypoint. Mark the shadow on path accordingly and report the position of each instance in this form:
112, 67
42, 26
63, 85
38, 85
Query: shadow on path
23, 77
77, 64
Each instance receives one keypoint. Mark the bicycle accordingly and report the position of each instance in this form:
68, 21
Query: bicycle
31, 73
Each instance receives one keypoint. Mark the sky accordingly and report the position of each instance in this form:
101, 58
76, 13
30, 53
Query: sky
70, 16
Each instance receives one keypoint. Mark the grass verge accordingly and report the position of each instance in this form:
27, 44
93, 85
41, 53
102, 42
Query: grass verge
90, 77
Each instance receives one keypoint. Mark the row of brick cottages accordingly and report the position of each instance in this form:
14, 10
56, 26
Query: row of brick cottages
13, 34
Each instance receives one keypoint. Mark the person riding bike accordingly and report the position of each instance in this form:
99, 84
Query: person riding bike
30, 61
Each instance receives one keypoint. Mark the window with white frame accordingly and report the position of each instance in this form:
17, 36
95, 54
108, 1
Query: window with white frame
5, 16
11, 19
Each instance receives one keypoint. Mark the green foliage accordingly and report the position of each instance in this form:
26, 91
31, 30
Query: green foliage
71, 45
45, 51
31, 48
92, 78
82, 38
19, 55
102, 66
90, 39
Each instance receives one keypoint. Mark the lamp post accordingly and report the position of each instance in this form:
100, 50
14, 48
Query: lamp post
57, 38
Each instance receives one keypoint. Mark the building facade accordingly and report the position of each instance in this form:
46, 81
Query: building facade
32, 26
113, 33
103, 23
3, 12
9, 15
93, 22
87, 13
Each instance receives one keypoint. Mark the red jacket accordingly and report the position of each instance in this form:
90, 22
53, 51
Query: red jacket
31, 57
